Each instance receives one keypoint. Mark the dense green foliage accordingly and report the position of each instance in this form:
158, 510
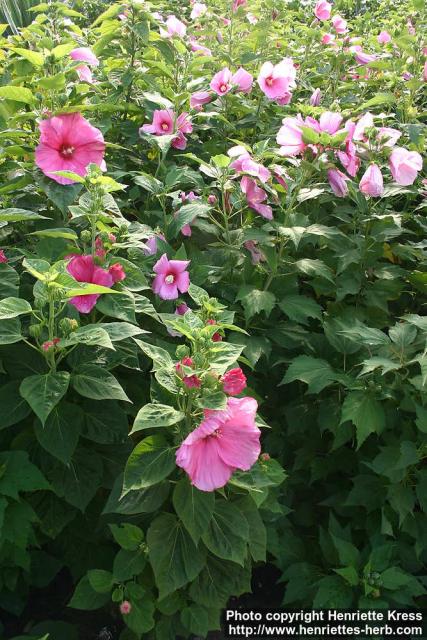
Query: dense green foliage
322, 306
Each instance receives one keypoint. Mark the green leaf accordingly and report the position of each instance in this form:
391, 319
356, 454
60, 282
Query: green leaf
218, 579
128, 564
120, 330
174, 557
60, 434
315, 372
150, 462
79, 481
257, 530
186, 215
193, 507
120, 306
228, 533
153, 416
19, 215
18, 94
309, 135
13, 307
34, 57
105, 422
95, 382
43, 392
67, 234
100, 580
314, 268
136, 502
128, 536
10, 331
299, 308
333, 593
13, 407
149, 183
365, 412
85, 597
19, 474
89, 335
255, 301
349, 574
140, 619
196, 620
160, 357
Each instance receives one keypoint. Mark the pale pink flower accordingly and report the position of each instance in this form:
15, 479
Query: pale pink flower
68, 142
212, 199
384, 37
251, 18
328, 38
189, 197
404, 165
199, 48
243, 80
233, 382
171, 277
289, 137
364, 58
388, 136
339, 24
224, 81
224, 441
337, 180
280, 175
245, 164
151, 248
365, 122
199, 98
174, 27
371, 183
125, 607
322, 10
84, 73
255, 196
83, 269
275, 81
330, 122
425, 71
315, 98
3, 257
198, 10
84, 54
257, 255
165, 123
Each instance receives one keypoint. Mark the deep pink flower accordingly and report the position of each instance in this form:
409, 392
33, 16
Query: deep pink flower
182, 309
337, 180
371, 183
255, 196
171, 277
245, 164
404, 165
117, 272
125, 607
174, 27
322, 10
276, 81
384, 37
224, 441
315, 98
339, 24
289, 137
3, 257
233, 382
68, 142
237, 4
212, 198
83, 269
192, 382
199, 98
84, 54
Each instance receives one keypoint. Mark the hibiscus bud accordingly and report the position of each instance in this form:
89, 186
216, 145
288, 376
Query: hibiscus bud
265, 457
219, 37
181, 351
217, 337
233, 382
3, 257
35, 330
211, 198
86, 236
117, 272
50, 344
315, 98
186, 362
192, 381
67, 326
125, 607
112, 238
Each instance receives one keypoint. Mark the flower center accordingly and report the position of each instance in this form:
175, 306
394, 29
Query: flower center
223, 88
67, 151
165, 126
170, 278
269, 81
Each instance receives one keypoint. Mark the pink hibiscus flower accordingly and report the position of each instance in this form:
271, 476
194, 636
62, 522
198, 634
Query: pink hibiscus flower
83, 269
322, 10
165, 123
371, 183
171, 277
233, 381
84, 54
174, 27
224, 441
245, 164
3, 257
404, 165
68, 142
276, 81
255, 196
224, 81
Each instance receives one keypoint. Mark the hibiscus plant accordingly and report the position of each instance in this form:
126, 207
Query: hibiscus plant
212, 269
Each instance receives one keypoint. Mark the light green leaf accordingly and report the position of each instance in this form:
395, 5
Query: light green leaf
95, 382
18, 94
43, 392
151, 461
315, 372
153, 416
